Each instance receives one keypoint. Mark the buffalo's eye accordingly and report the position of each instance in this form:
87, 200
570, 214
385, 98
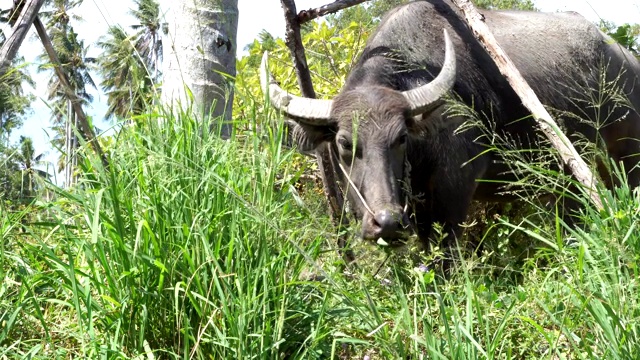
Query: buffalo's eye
401, 140
345, 143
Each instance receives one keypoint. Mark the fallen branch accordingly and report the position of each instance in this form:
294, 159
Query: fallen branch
558, 139
76, 102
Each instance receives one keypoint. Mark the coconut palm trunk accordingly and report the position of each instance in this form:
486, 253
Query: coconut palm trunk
200, 52
9, 49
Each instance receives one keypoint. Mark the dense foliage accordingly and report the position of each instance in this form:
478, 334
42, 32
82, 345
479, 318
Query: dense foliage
505, 4
331, 48
20, 179
626, 35
14, 102
15, 105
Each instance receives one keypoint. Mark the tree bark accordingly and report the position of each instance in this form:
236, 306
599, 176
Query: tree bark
323, 153
567, 152
12, 44
293, 39
308, 15
199, 42
76, 102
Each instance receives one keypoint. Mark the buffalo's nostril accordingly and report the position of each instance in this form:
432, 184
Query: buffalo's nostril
387, 224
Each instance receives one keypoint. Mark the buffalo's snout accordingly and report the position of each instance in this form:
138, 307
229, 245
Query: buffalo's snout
386, 224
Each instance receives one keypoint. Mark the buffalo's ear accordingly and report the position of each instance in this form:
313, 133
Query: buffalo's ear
307, 138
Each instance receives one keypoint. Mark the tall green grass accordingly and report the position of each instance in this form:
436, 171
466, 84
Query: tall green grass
189, 246
186, 246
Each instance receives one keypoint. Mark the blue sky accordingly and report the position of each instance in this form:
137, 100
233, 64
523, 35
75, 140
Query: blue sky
255, 15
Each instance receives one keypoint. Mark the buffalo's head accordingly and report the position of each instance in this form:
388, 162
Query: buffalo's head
369, 129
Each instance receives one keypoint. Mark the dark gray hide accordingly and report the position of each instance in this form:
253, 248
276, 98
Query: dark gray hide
559, 54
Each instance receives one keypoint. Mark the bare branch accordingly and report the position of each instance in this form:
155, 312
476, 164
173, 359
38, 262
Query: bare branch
308, 15
293, 40
323, 153
567, 152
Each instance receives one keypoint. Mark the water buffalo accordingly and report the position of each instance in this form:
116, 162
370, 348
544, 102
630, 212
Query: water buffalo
392, 114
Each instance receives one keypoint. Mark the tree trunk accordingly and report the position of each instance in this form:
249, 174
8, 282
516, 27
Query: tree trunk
199, 42
323, 152
294, 43
558, 139
12, 44
154, 51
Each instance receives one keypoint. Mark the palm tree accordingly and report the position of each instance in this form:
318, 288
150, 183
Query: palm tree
72, 54
74, 62
9, 174
58, 14
14, 103
129, 64
126, 80
28, 161
10, 15
148, 42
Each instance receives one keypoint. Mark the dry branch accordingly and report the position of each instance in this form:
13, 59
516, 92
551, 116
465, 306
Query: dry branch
293, 40
568, 153
308, 15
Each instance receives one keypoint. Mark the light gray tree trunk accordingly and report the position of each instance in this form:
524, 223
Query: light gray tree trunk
199, 44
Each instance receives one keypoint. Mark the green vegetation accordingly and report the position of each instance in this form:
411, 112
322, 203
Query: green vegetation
505, 4
191, 246
625, 34
129, 64
14, 106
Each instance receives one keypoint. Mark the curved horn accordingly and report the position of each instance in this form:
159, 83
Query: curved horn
307, 110
425, 97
